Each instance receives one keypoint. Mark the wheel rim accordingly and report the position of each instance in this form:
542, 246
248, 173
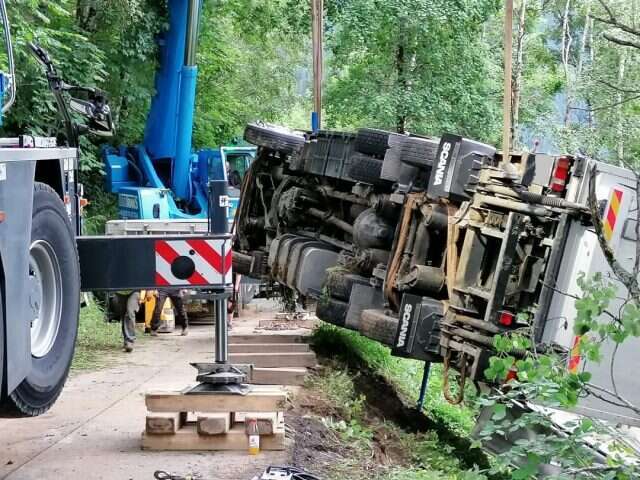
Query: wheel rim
45, 297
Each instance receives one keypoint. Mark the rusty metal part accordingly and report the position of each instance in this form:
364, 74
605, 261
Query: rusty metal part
349, 197
473, 322
394, 267
516, 206
424, 279
435, 216
331, 219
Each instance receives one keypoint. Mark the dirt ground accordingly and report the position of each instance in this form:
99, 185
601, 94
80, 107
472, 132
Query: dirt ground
94, 429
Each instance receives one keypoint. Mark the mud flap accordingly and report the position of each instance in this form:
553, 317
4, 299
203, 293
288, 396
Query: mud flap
151, 262
418, 334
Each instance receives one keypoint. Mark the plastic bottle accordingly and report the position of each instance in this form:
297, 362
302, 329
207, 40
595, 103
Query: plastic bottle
254, 437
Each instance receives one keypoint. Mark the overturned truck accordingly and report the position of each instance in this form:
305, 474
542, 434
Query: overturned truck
434, 246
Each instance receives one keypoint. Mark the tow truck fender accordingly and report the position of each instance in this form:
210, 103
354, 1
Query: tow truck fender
16, 201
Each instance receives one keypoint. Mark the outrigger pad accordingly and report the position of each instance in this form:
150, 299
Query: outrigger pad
219, 389
220, 373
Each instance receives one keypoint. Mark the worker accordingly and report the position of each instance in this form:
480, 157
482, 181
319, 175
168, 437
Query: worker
125, 306
181, 313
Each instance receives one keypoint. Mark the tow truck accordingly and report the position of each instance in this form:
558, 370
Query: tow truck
45, 261
434, 246
163, 178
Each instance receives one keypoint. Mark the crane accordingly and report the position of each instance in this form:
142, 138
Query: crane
163, 178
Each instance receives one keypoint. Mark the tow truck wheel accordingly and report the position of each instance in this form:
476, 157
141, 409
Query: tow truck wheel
54, 299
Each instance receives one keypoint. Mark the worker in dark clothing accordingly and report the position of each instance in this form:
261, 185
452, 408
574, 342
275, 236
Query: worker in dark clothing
123, 307
181, 313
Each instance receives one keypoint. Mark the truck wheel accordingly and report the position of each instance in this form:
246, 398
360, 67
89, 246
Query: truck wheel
55, 304
339, 284
332, 311
273, 137
376, 325
419, 152
364, 168
372, 141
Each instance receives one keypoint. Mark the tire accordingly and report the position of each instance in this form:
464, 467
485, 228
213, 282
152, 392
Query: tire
332, 311
419, 152
273, 137
374, 324
364, 168
53, 336
372, 141
339, 284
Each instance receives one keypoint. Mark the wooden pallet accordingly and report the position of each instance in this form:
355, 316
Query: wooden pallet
179, 421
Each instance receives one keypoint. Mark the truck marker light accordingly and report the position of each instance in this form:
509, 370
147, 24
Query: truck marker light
3, 216
611, 216
506, 318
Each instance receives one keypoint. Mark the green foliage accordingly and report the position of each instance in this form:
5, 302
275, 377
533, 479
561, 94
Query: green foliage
543, 379
405, 374
427, 456
412, 65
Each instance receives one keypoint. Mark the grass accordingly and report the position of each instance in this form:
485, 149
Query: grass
405, 374
97, 339
420, 456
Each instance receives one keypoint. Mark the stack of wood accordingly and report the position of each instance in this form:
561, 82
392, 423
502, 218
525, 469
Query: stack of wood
181, 421
273, 359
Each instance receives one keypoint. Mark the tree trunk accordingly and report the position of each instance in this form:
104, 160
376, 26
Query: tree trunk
86, 15
401, 117
566, 49
620, 99
517, 73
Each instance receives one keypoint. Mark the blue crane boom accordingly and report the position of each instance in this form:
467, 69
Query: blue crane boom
163, 177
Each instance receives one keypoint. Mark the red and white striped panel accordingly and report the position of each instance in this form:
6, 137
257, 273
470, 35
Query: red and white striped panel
211, 266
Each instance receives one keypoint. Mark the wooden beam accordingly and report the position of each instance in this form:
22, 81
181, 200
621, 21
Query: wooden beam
214, 423
307, 359
508, 61
187, 438
269, 338
268, 347
164, 423
279, 376
256, 401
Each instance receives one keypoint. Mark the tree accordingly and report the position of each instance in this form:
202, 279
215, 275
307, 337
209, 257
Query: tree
412, 66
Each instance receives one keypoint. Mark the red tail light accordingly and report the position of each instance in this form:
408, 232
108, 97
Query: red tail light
560, 174
505, 318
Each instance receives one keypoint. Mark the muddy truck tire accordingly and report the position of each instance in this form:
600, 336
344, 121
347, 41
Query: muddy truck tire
332, 311
339, 284
371, 141
419, 152
365, 168
55, 298
273, 137
374, 324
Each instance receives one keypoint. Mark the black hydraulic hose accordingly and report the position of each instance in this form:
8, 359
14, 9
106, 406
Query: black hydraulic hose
331, 219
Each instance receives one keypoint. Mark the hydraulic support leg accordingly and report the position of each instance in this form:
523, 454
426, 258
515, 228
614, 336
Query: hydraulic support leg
220, 376
222, 337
